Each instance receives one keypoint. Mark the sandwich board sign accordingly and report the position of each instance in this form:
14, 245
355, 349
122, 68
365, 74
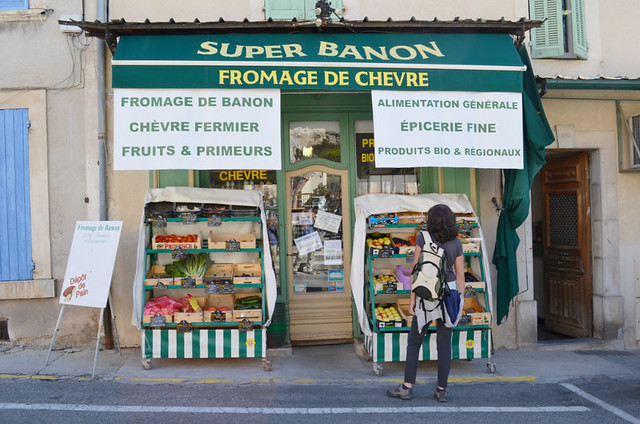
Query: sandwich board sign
90, 265
87, 280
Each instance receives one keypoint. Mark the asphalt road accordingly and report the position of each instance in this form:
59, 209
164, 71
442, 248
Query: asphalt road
580, 401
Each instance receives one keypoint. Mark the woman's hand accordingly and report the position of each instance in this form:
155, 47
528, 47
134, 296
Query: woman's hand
412, 304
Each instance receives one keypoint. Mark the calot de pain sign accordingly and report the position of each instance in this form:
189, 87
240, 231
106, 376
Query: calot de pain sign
90, 266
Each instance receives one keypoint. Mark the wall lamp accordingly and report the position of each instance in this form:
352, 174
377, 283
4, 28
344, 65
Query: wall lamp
324, 12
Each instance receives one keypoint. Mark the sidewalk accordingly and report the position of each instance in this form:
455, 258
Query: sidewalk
336, 364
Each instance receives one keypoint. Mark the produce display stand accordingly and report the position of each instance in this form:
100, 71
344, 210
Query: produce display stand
394, 217
233, 333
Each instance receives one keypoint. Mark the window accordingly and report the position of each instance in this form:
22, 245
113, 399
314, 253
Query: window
14, 4
562, 36
379, 180
15, 206
635, 142
299, 9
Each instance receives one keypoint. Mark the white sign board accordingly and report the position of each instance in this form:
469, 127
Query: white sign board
308, 243
328, 221
196, 129
447, 129
90, 265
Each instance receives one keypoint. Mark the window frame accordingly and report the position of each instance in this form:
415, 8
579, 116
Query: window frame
300, 10
634, 142
14, 5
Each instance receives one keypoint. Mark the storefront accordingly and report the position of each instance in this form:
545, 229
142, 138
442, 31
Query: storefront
313, 120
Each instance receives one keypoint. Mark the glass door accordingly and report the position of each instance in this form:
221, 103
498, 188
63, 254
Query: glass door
318, 255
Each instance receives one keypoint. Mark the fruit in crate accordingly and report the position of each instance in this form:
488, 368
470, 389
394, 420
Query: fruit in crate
172, 238
386, 314
384, 278
378, 242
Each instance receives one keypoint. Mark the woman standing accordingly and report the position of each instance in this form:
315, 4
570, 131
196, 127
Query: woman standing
441, 225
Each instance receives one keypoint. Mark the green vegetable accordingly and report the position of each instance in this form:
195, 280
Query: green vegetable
193, 265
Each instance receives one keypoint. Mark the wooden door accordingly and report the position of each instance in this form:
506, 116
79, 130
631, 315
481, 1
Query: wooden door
318, 250
567, 245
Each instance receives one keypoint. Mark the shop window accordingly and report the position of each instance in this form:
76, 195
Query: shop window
289, 9
379, 180
562, 35
14, 4
16, 262
265, 182
314, 140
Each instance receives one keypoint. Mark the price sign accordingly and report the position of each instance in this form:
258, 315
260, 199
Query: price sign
214, 221
219, 287
158, 320
189, 218
232, 245
184, 327
390, 287
245, 325
188, 283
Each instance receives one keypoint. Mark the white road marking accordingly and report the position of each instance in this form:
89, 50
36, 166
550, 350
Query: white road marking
602, 404
284, 411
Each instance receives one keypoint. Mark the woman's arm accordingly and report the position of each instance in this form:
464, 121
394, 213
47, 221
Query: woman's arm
459, 269
412, 302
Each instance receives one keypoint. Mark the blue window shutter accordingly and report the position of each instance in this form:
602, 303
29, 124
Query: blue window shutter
15, 206
579, 32
14, 4
547, 40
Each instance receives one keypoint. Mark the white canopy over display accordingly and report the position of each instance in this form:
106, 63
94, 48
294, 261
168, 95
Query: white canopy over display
370, 204
202, 195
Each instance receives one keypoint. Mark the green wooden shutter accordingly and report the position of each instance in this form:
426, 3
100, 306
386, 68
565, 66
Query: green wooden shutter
547, 40
285, 9
579, 33
299, 9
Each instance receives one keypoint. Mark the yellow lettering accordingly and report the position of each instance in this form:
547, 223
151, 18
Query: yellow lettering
253, 50
291, 50
350, 50
423, 50
208, 47
370, 51
273, 52
327, 49
395, 52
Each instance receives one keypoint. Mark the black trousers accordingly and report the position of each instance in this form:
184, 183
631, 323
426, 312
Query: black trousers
443, 343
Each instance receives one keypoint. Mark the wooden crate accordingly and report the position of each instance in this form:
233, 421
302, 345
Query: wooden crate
247, 273
403, 308
219, 241
476, 312
146, 319
220, 300
220, 270
410, 217
170, 246
218, 316
188, 317
251, 314
157, 275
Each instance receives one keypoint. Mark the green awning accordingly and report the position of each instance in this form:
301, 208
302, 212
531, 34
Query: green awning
537, 135
446, 62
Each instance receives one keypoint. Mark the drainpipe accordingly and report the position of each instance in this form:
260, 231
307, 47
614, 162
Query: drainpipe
102, 158
102, 162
